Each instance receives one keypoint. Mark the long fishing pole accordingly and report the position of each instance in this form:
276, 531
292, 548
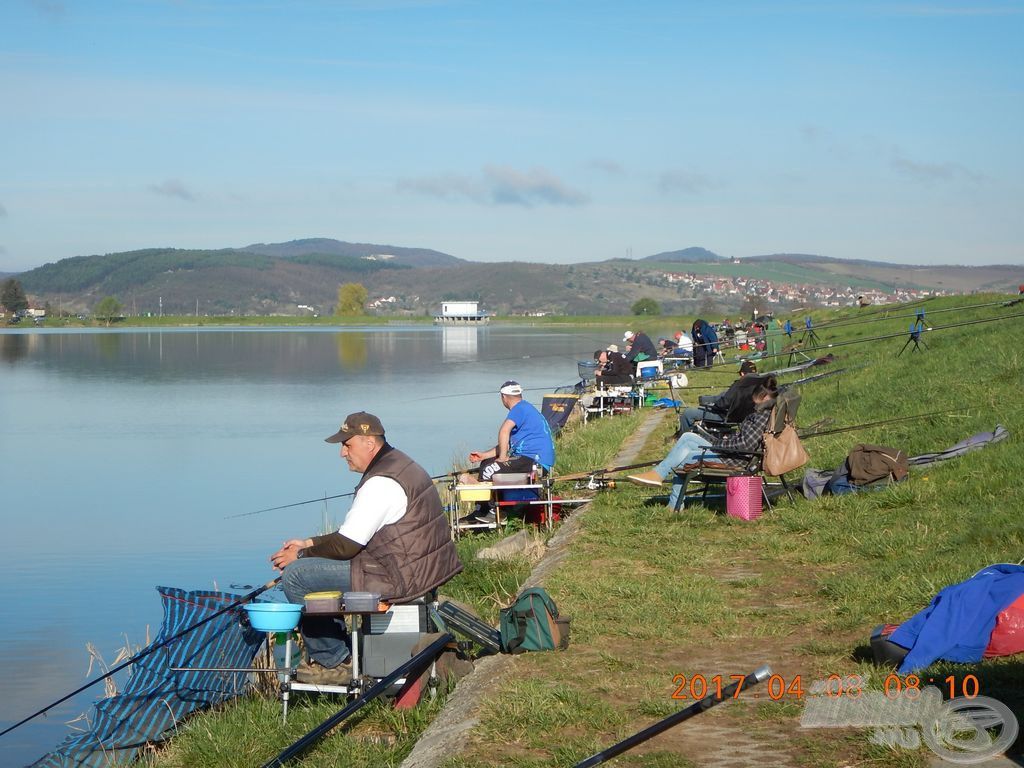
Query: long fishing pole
145, 652
1005, 303
846, 322
602, 471
759, 675
326, 498
837, 430
902, 334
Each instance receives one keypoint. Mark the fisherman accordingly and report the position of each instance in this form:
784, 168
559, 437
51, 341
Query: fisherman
613, 369
395, 540
524, 439
690, 445
733, 405
705, 343
684, 345
640, 347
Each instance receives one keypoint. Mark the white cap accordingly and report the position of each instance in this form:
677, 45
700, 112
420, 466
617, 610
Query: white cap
511, 388
613, 347
628, 336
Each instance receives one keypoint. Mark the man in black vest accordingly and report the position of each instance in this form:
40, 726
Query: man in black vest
395, 540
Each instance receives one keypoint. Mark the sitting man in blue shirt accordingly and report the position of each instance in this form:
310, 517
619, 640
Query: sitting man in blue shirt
524, 439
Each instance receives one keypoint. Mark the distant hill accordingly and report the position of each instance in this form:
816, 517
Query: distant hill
303, 275
692, 254
322, 246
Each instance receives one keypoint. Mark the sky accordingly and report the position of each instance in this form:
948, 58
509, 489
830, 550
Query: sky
555, 131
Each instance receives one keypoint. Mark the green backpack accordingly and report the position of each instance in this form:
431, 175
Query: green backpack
532, 623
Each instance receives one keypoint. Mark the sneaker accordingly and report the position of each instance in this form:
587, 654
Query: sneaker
314, 674
469, 519
646, 478
487, 518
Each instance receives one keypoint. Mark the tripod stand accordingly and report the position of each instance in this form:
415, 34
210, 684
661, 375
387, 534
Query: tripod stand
915, 338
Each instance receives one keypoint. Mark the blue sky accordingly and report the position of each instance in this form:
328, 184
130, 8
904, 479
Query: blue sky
553, 131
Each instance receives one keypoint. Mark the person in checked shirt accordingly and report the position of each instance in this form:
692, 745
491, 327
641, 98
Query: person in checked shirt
689, 446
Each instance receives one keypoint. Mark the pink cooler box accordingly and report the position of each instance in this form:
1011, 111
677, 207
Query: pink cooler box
743, 496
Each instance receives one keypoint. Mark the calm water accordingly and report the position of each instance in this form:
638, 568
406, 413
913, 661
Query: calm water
123, 454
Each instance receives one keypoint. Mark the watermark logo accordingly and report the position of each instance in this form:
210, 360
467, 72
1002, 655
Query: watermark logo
963, 730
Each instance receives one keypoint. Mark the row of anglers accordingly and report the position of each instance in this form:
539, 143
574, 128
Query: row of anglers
395, 539
699, 348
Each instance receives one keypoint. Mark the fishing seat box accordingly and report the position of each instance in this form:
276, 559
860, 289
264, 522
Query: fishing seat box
388, 638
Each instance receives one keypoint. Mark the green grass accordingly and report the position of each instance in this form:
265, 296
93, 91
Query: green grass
654, 594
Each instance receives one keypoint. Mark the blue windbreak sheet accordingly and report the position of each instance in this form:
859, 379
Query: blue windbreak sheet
155, 698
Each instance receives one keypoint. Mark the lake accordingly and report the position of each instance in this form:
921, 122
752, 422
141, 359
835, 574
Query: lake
124, 456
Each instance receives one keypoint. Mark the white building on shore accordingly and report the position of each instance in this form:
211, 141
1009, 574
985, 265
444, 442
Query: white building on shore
461, 313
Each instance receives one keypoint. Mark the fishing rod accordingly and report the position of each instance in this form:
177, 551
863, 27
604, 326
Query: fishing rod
409, 670
601, 471
902, 334
731, 691
489, 392
146, 652
796, 346
846, 322
837, 430
327, 498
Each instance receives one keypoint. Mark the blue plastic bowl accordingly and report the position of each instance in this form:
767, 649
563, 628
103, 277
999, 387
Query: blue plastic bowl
274, 617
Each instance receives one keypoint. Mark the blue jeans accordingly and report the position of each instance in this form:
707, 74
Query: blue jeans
326, 638
690, 415
687, 448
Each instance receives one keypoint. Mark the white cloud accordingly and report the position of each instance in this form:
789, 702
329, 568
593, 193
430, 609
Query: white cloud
686, 182
52, 9
499, 185
172, 188
932, 172
610, 167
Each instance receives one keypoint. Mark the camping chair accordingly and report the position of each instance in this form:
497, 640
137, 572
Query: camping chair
711, 470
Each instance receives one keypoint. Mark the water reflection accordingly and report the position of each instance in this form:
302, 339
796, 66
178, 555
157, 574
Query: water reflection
13, 347
352, 351
459, 342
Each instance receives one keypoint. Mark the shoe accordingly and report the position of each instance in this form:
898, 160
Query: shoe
646, 478
487, 518
469, 519
314, 674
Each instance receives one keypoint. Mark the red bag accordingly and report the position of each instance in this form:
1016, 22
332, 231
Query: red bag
743, 496
1008, 636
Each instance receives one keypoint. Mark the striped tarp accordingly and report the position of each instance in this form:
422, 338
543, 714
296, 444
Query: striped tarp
156, 698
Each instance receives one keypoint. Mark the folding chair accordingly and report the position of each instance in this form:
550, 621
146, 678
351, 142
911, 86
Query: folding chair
709, 470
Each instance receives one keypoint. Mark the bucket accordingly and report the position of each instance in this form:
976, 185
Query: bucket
587, 369
274, 617
649, 370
